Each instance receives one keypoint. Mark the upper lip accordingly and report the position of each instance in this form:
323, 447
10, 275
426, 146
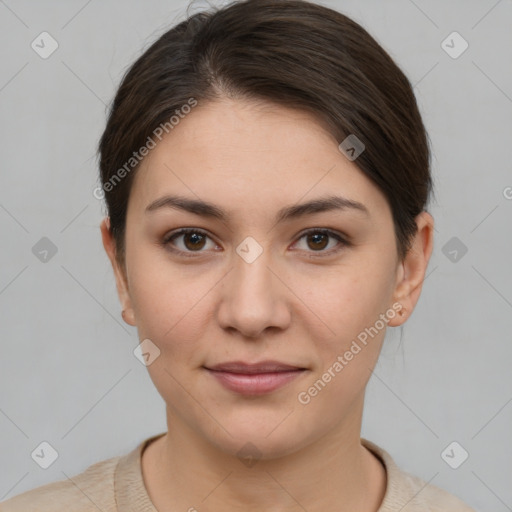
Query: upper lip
250, 368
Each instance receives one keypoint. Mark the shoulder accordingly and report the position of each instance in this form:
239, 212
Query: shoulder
417, 495
91, 490
410, 493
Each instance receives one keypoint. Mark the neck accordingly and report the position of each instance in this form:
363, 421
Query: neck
183, 471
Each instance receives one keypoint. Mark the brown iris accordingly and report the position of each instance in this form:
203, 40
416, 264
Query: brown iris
317, 240
196, 240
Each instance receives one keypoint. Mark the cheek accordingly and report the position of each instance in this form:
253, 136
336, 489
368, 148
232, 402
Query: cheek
170, 309
172, 305
351, 305
347, 298
350, 302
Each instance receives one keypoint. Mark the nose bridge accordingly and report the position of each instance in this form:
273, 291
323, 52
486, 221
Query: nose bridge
251, 270
252, 278
252, 299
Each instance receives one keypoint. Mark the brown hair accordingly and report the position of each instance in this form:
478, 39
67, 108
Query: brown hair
291, 52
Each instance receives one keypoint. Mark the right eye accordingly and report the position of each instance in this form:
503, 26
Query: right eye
193, 241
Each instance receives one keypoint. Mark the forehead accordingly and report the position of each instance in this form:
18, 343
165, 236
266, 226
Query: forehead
257, 155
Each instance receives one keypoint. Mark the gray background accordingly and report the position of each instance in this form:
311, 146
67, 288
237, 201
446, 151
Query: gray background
68, 375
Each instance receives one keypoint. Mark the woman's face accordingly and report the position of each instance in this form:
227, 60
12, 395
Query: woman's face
254, 286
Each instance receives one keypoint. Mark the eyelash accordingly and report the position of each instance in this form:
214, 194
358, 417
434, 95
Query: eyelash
193, 254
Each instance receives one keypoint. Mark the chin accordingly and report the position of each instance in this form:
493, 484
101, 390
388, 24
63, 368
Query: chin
257, 439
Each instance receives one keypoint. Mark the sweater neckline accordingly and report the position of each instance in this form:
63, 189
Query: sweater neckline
131, 494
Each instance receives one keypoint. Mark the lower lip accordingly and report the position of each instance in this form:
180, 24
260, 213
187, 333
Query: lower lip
255, 384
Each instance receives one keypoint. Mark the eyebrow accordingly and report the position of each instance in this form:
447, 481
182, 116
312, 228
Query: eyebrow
205, 209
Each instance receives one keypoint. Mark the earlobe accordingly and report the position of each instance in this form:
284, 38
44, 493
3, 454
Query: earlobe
398, 306
109, 244
411, 272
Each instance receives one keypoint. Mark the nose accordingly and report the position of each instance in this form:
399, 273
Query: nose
254, 298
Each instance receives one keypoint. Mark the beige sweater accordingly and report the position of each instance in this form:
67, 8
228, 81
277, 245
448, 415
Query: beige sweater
116, 485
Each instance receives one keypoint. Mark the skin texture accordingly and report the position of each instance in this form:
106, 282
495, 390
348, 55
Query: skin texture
290, 304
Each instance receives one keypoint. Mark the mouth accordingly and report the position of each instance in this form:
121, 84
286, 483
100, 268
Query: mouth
255, 378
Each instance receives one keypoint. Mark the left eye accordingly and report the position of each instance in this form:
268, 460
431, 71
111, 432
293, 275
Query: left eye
317, 239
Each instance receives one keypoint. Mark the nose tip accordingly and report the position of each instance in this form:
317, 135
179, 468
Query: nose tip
253, 299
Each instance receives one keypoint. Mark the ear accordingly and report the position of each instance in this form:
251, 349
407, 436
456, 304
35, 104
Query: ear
119, 273
411, 271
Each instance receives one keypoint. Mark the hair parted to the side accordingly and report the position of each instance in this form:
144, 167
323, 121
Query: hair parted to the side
290, 52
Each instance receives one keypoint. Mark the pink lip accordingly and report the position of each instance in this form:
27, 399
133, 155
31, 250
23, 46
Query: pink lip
254, 379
